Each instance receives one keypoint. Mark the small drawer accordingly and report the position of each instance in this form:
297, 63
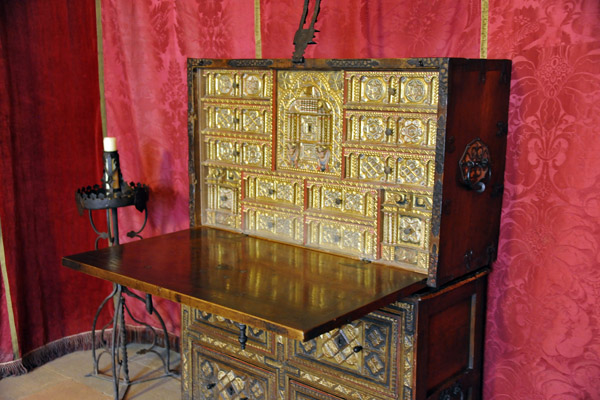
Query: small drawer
223, 197
353, 200
247, 119
237, 84
238, 152
222, 333
328, 233
217, 376
274, 222
406, 228
414, 169
379, 128
393, 88
274, 189
367, 355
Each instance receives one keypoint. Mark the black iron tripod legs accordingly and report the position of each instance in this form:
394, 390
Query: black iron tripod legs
118, 341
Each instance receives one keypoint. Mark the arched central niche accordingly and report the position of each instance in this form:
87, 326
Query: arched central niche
309, 130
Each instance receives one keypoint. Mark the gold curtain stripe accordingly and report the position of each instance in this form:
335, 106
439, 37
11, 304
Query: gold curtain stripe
483, 50
11, 316
257, 34
101, 64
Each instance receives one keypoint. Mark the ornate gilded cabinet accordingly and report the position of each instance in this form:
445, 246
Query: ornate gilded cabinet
396, 162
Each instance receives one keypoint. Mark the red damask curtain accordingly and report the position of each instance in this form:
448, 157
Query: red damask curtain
50, 138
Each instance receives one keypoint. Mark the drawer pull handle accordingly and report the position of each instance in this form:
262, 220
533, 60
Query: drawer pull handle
357, 349
211, 385
476, 166
389, 132
388, 170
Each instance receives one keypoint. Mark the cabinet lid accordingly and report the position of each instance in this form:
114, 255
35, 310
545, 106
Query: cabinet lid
297, 292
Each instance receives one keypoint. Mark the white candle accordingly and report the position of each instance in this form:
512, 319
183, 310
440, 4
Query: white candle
110, 144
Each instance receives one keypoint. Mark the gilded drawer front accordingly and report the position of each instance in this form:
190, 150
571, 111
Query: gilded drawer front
418, 89
273, 222
415, 169
249, 119
352, 200
274, 189
245, 84
223, 197
298, 391
406, 227
404, 129
222, 333
238, 152
358, 240
216, 376
367, 355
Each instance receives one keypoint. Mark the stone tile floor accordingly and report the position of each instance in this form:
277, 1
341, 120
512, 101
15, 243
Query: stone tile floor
67, 378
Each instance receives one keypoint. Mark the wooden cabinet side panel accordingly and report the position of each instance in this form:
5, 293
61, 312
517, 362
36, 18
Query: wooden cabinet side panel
450, 331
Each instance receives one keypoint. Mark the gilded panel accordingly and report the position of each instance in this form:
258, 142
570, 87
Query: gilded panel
346, 199
240, 152
237, 84
404, 88
273, 222
342, 235
365, 356
223, 197
297, 391
403, 168
221, 118
309, 127
274, 189
392, 129
216, 376
406, 228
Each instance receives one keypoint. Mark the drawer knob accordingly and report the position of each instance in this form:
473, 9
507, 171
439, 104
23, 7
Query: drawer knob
357, 349
389, 132
271, 192
387, 170
338, 201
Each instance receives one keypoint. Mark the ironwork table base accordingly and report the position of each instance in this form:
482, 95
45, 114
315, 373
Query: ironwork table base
117, 347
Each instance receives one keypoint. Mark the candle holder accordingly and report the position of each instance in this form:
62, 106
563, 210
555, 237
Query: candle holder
112, 194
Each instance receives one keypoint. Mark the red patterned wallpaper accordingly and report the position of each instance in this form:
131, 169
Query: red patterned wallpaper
543, 339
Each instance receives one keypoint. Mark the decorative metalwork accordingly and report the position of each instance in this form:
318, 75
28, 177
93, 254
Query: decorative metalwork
250, 62
476, 166
220, 377
353, 63
310, 122
390, 137
304, 36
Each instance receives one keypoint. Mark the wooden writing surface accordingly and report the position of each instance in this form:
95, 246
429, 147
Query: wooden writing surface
293, 291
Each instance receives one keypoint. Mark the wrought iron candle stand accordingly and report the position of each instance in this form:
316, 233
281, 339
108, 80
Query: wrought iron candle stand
115, 193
